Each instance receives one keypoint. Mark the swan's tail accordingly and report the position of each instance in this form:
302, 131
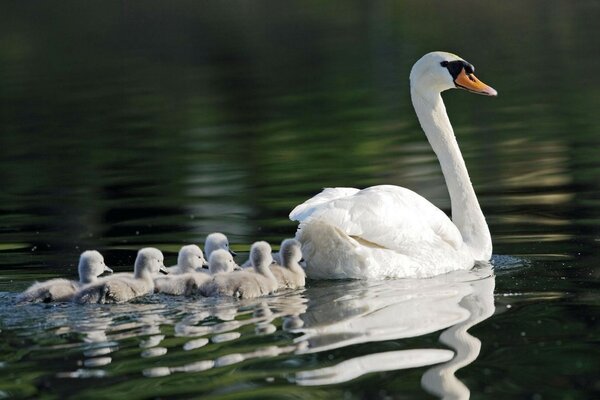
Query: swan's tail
330, 253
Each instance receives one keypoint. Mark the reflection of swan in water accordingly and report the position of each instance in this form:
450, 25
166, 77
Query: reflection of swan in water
440, 380
395, 309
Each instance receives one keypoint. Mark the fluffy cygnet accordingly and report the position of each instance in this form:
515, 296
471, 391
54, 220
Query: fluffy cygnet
220, 262
123, 287
91, 265
189, 259
246, 284
289, 274
216, 241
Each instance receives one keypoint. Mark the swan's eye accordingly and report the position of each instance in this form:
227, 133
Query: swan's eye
444, 64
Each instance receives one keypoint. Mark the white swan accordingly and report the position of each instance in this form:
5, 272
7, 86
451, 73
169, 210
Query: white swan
124, 287
91, 265
189, 259
246, 284
289, 274
389, 231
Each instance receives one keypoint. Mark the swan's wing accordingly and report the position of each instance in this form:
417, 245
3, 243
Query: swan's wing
389, 217
304, 210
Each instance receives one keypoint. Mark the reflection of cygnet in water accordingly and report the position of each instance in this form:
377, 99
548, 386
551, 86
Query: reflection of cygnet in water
189, 259
216, 241
189, 283
289, 275
121, 288
91, 265
246, 284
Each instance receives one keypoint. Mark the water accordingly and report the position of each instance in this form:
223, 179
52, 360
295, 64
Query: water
127, 125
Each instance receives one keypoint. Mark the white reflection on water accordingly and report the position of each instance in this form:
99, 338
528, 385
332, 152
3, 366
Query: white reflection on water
397, 309
193, 335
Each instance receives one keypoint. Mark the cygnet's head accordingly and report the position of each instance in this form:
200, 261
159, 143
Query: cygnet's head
91, 265
290, 252
260, 255
221, 261
190, 257
149, 260
438, 71
216, 241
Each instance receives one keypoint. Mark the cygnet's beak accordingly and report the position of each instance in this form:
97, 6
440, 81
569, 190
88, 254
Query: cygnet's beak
237, 268
233, 253
204, 264
163, 270
106, 269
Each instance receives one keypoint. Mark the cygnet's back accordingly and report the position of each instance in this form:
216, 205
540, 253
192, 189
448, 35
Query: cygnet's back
189, 259
122, 288
289, 275
91, 265
246, 284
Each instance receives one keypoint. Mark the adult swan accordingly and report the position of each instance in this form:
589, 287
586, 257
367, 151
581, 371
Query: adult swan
389, 231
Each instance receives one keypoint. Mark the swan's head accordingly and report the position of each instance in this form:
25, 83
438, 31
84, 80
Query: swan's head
221, 261
260, 255
439, 71
290, 252
190, 257
91, 265
149, 260
216, 241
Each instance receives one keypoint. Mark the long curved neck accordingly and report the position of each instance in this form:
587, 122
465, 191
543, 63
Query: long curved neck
466, 212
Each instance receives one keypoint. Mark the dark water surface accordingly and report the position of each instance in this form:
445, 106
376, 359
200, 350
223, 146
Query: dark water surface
137, 124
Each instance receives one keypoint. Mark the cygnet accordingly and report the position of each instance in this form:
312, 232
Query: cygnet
189, 259
289, 274
216, 241
220, 262
121, 288
91, 265
246, 284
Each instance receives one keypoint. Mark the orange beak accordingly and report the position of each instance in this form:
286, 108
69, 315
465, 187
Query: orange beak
472, 84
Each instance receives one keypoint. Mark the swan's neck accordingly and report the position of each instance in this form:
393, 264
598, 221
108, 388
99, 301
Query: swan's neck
466, 212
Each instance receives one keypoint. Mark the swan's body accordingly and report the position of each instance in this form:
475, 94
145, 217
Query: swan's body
246, 284
91, 265
389, 231
189, 259
124, 287
288, 272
